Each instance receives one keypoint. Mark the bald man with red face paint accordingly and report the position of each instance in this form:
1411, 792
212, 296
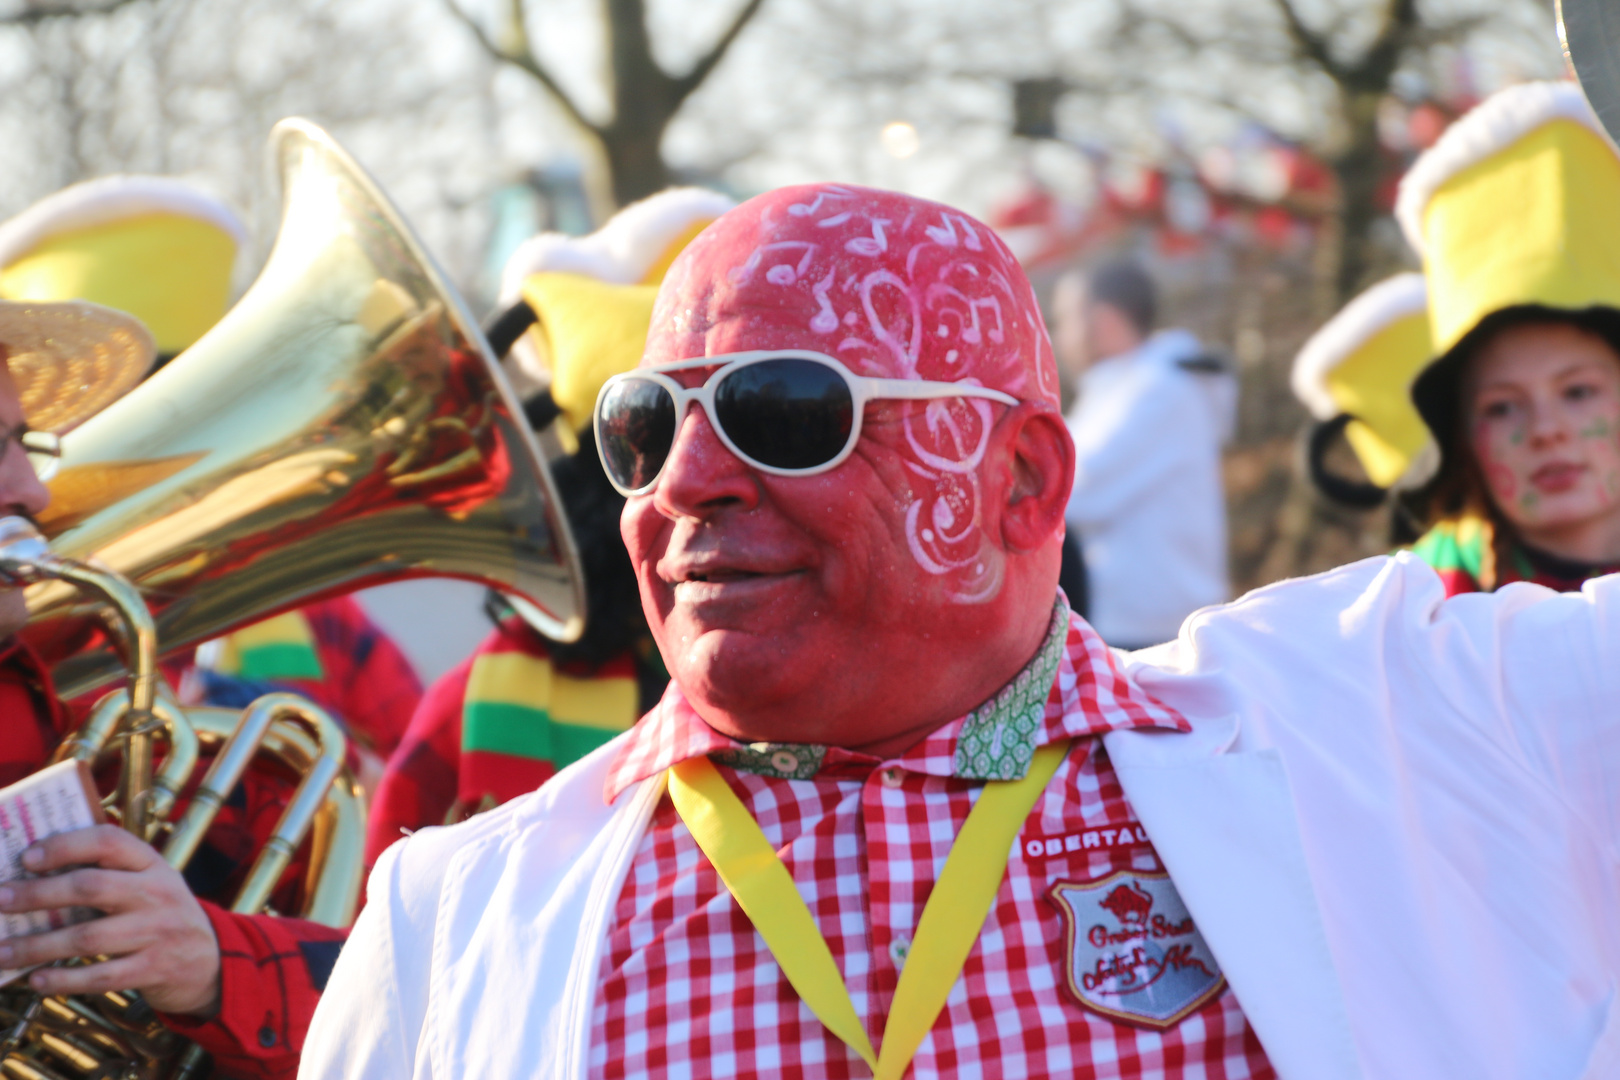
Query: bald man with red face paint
901, 813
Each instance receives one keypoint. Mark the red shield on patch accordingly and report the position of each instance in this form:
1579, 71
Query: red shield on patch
1133, 952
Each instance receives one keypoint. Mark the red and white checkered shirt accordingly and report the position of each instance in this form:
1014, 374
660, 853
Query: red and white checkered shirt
689, 988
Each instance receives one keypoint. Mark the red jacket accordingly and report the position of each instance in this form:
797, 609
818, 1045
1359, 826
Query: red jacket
500, 724
272, 969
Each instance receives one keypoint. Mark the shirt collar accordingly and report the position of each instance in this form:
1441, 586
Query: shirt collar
1073, 687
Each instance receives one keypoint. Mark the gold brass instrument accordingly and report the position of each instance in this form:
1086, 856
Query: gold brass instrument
25, 559
342, 426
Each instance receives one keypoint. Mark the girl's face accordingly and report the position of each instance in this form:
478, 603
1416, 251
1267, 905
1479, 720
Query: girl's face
1544, 425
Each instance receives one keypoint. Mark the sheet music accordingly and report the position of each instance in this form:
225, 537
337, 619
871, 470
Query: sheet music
51, 801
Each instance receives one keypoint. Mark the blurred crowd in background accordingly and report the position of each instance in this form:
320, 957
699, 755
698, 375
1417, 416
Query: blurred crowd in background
1244, 153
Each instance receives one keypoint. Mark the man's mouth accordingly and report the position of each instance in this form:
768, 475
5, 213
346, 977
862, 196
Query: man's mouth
719, 584
723, 576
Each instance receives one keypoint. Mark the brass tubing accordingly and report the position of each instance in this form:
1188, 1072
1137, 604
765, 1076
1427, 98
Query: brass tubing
223, 775
90, 740
87, 742
140, 656
75, 1056
312, 791
26, 558
323, 773
179, 762
337, 842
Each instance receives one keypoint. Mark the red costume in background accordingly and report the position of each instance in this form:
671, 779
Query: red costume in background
446, 770
364, 679
272, 968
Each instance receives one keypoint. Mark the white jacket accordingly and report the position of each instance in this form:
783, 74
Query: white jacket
1148, 501
1395, 821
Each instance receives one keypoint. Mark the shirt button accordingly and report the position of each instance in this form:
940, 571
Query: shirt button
891, 778
899, 949
267, 1037
785, 761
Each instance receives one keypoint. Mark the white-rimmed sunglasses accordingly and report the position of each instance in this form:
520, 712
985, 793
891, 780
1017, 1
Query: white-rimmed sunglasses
787, 412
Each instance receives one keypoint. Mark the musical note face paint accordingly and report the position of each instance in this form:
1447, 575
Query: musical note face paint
893, 541
894, 287
1544, 427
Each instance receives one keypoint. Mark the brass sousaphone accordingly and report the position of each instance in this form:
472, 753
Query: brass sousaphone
343, 425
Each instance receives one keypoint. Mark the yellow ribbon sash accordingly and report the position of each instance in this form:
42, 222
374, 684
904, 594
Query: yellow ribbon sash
950, 923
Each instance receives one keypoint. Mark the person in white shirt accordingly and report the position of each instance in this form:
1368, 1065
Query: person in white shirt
1153, 412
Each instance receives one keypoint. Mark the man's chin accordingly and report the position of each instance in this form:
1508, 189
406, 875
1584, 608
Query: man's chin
735, 672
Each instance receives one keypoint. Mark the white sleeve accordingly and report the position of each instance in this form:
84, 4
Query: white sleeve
369, 1021
1141, 448
1553, 671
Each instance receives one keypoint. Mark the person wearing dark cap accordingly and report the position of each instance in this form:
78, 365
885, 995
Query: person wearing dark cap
1154, 409
1523, 396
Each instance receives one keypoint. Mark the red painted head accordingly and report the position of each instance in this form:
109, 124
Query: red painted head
867, 604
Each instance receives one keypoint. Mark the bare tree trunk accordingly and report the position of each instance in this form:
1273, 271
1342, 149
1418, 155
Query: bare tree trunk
1361, 84
645, 100
1359, 169
645, 96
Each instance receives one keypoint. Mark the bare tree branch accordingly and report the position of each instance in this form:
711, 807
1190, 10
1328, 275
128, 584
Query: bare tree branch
694, 78
35, 13
1310, 45
521, 57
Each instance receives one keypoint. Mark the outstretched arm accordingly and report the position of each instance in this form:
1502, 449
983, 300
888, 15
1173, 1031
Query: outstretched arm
1559, 689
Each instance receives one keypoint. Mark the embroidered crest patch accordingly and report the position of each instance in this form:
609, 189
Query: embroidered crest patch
1133, 952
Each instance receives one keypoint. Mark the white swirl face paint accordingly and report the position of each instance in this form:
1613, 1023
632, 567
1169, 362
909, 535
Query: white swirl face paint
897, 287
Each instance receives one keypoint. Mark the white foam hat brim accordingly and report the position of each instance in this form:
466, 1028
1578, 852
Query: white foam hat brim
1486, 130
110, 199
1358, 322
622, 251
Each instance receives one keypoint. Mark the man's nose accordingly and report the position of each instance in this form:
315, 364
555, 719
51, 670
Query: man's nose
701, 475
21, 491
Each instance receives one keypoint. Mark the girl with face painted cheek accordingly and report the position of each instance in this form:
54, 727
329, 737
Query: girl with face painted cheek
1529, 488
1522, 396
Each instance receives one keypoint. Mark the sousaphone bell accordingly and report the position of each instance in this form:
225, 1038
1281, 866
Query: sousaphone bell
343, 425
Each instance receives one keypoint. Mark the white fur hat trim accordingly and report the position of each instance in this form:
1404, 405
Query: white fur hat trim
623, 250
1489, 128
1381, 306
108, 199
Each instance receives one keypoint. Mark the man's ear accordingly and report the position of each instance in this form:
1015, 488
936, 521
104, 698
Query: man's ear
1040, 459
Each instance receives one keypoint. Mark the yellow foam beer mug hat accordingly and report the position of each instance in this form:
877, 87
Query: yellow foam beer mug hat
592, 296
1517, 205
1361, 364
151, 246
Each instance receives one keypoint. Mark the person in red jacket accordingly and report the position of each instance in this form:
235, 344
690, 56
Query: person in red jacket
242, 986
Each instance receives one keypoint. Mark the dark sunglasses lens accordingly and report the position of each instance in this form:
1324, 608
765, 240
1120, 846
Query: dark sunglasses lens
637, 430
788, 413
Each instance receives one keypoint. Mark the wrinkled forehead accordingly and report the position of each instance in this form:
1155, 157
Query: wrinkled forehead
892, 285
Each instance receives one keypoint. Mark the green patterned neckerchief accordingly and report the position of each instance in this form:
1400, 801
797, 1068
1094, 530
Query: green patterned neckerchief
997, 741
